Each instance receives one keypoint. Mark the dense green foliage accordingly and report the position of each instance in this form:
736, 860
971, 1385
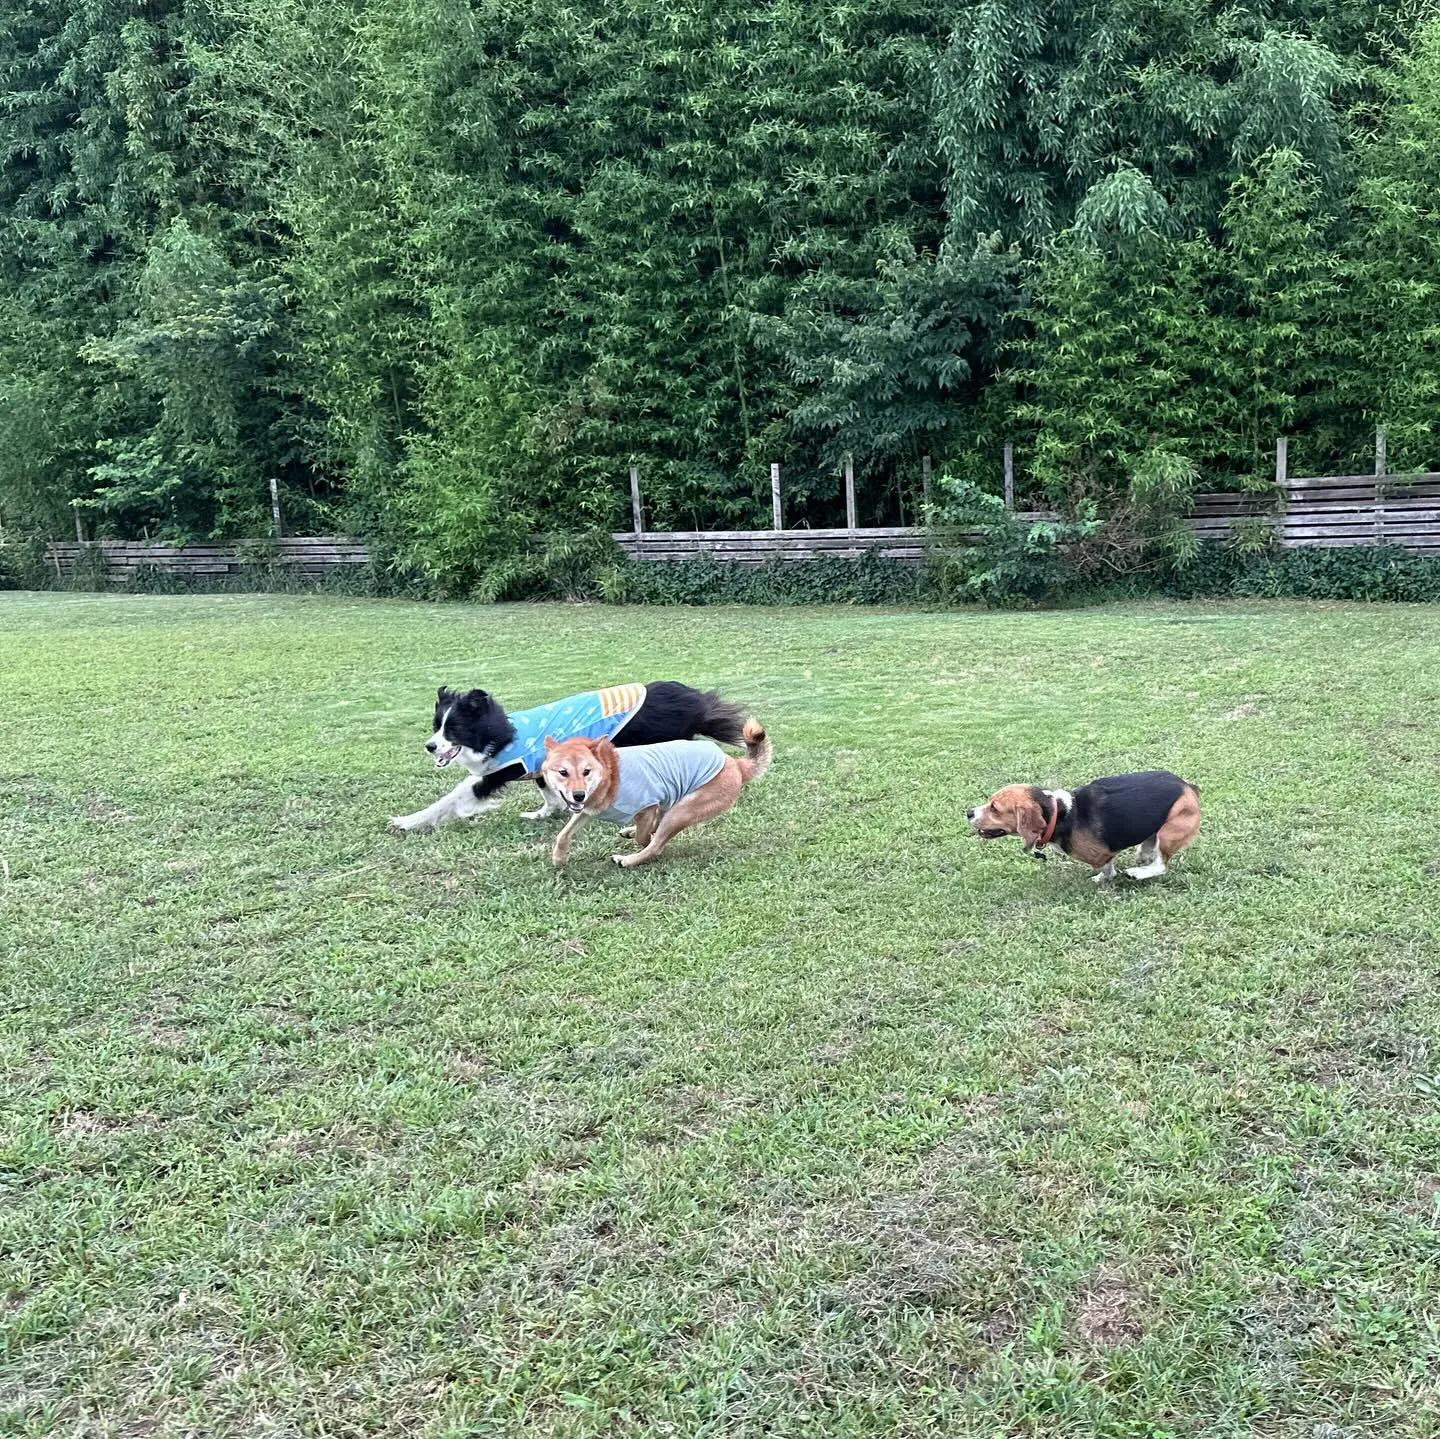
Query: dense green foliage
443, 269
1016, 565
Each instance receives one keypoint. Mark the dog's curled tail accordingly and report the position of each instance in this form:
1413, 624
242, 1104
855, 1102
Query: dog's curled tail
758, 752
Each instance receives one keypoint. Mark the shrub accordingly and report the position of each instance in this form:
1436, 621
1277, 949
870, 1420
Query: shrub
554, 567
870, 580
982, 552
1360, 572
23, 564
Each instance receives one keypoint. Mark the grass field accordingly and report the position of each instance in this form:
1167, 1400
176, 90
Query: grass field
835, 1122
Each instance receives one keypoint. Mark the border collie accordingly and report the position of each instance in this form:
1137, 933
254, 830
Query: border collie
498, 748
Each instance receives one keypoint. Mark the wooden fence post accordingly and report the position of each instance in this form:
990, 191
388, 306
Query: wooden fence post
1009, 477
636, 512
850, 493
775, 494
1380, 463
1282, 459
275, 506
925, 481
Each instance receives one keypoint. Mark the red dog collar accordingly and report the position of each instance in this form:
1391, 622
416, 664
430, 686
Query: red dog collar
1050, 828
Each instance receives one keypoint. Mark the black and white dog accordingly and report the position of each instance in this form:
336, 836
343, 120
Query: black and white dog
497, 748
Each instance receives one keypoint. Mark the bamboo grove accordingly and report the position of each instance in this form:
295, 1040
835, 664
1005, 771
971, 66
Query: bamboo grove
445, 268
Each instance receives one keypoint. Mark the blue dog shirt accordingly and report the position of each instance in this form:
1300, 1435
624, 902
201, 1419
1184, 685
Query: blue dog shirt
596, 714
662, 774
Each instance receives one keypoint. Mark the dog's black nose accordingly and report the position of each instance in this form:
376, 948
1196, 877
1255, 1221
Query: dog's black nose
969, 814
431, 745
577, 795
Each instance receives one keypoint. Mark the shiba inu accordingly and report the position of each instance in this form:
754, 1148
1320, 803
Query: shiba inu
661, 788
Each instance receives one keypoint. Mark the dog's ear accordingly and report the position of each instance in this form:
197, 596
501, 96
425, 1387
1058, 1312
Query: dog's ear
550, 744
444, 694
477, 699
1029, 821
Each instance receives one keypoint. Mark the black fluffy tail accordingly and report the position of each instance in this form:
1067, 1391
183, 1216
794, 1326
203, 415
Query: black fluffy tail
675, 711
720, 720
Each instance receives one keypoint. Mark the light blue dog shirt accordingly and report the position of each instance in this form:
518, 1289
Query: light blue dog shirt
596, 714
662, 774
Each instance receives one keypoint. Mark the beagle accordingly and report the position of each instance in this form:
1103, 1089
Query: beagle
1155, 809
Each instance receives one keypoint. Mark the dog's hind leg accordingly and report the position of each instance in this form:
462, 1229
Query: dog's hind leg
1182, 825
1150, 862
643, 829
707, 801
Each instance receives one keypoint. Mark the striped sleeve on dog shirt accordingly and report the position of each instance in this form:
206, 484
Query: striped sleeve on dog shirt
662, 774
596, 714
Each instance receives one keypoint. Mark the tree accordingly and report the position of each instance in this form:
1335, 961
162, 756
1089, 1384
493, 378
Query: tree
1395, 253
1040, 100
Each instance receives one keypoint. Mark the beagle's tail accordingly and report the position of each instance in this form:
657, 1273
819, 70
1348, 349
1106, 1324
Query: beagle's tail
758, 752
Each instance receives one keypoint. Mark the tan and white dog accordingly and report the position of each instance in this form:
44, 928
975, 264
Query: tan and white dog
1154, 809
661, 789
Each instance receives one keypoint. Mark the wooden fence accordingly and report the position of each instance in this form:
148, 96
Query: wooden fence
124, 559
1332, 511
1335, 510
1325, 510
757, 547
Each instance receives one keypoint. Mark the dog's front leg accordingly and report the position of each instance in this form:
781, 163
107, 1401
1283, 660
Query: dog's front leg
460, 803
548, 804
573, 826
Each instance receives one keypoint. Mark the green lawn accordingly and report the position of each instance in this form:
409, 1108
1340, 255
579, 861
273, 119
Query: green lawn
834, 1122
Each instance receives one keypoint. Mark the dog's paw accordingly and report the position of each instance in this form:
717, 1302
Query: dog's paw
625, 861
401, 824
628, 832
542, 813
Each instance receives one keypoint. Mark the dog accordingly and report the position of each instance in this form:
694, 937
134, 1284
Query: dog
1156, 810
661, 788
497, 749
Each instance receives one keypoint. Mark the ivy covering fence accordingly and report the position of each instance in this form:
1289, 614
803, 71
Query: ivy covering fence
442, 270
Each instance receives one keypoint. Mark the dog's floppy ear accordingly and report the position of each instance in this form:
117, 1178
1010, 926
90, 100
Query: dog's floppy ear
477, 698
1029, 820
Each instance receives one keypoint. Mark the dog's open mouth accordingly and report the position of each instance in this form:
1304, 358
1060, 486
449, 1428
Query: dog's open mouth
992, 833
444, 756
575, 806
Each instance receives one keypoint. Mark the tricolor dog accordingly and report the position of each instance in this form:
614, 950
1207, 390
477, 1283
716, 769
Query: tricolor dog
1156, 810
496, 748
659, 788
